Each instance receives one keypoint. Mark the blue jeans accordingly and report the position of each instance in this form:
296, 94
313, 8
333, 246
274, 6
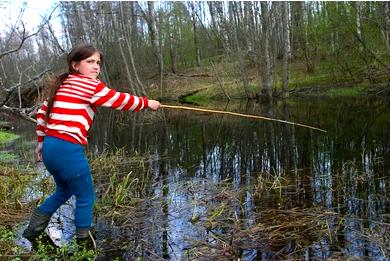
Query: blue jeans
69, 167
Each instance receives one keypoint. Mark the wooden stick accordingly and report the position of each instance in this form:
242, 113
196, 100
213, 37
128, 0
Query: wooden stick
239, 114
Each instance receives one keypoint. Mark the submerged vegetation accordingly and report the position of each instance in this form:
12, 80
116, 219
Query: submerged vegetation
281, 229
220, 188
120, 181
125, 200
14, 182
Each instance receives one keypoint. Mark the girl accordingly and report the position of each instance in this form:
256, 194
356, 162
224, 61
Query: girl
63, 122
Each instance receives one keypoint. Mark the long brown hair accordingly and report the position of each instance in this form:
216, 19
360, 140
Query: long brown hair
77, 54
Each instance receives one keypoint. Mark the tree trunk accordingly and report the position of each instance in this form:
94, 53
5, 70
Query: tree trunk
172, 51
233, 13
126, 65
224, 30
250, 30
304, 38
358, 20
286, 36
387, 25
197, 50
153, 35
137, 82
266, 91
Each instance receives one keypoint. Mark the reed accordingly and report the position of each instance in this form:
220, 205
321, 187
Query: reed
13, 185
121, 180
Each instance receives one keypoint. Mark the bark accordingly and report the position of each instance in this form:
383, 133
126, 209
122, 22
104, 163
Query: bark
358, 19
387, 25
304, 39
78, 29
266, 89
124, 58
285, 48
172, 51
212, 15
244, 77
151, 21
136, 80
250, 28
224, 30
194, 27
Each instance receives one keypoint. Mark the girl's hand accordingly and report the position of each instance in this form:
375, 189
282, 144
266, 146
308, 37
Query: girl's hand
38, 151
154, 105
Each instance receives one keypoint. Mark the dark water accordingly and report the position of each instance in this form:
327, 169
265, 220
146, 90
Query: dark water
344, 171
211, 172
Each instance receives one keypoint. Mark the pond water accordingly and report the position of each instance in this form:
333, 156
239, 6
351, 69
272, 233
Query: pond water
227, 187
193, 155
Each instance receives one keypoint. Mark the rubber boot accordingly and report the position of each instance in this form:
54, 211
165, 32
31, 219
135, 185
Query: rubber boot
85, 239
35, 230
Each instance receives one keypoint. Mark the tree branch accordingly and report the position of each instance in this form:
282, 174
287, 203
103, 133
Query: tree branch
11, 89
24, 37
21, 112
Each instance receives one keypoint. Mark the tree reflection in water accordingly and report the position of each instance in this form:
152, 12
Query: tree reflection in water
222, 183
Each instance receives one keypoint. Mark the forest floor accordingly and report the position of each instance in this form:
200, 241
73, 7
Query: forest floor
224, 82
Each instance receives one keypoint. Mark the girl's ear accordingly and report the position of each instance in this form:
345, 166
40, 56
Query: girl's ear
75, 66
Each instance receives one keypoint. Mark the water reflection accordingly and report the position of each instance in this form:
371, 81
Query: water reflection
267, 166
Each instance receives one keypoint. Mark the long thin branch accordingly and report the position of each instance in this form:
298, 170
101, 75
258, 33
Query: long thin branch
10, 90
36, 77
240, 115
20, 112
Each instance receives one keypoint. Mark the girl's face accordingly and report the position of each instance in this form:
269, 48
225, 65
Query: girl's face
89, 66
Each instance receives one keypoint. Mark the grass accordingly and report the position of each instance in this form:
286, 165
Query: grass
310, 80
7, 137
13, 184
9, 251
349, 92
224, 78
122, 180
7, 245
123, 190
7, 157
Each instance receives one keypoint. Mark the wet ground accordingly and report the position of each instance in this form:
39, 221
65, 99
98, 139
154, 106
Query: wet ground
217, 187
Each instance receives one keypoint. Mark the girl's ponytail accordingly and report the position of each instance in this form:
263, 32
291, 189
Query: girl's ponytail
52, 88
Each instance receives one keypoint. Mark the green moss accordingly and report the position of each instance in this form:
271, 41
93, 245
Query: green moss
350, 92
304, 81
195, 99
7, 137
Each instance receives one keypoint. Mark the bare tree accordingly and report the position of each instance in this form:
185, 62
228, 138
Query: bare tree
124, 21
194, 26
151, 22
172, 42
304, 37
234, 13
387, 25
21, 66
266, 90
286, 55
23, 35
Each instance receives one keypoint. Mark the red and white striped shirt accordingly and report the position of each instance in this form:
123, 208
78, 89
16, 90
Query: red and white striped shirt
75, 104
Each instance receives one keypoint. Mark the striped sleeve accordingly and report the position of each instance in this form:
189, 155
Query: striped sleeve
41, 124
104, 96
